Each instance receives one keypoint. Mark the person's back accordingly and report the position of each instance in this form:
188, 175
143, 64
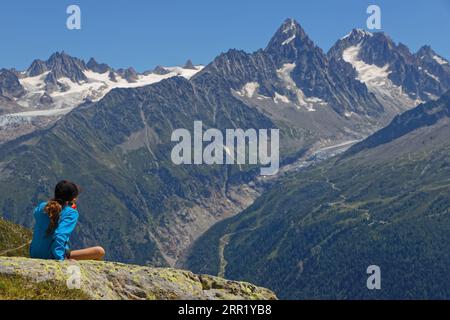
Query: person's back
55, 222
53, 245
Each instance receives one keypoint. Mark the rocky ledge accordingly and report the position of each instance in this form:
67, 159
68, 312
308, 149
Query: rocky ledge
116, 281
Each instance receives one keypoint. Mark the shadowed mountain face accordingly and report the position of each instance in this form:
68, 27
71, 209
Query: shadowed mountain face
63, 65
10, 86
137, 203
97, 67
10, 90
383, 203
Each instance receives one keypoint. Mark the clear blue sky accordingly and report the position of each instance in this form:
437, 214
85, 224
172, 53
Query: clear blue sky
144, 33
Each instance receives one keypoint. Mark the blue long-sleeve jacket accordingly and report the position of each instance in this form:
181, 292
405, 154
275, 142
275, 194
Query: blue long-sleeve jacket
52, 246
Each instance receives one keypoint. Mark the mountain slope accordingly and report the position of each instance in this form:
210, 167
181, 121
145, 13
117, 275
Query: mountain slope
14, 239
316, 232
425, 115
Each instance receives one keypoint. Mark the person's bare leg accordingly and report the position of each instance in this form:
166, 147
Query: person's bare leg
94, 253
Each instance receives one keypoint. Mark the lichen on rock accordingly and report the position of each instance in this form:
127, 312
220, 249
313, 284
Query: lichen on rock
116, 281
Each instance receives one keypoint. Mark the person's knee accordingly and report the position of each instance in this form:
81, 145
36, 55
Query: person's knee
100, 252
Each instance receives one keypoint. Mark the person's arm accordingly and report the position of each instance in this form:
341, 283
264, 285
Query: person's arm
62, 233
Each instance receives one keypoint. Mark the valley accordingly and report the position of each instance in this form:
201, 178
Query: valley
316, 231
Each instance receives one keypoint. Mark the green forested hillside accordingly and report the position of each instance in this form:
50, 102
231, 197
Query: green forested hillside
315, 234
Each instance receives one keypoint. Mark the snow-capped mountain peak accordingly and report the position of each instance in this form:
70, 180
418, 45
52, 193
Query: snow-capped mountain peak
387, 68
357, 34
91, 83
290, 30
291, 36
62, 65
427, 53
97, 67
52, 88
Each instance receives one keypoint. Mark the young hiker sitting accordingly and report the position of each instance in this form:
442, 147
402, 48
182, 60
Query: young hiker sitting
55, 222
